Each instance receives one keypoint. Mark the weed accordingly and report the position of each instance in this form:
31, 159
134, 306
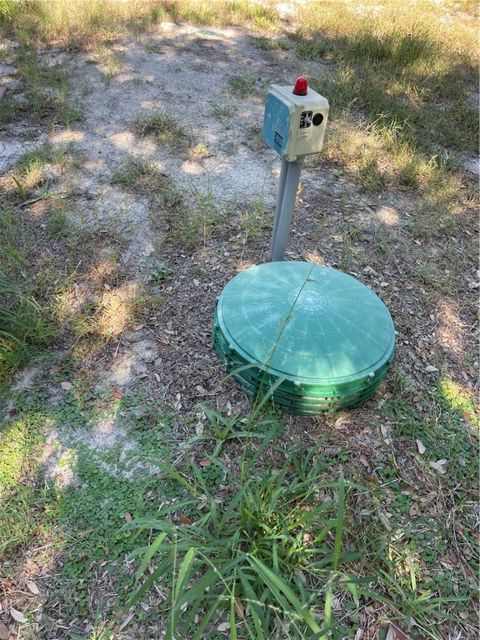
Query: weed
139, 176
242, 85
224, 110
57, 221
254, 219
113, 63
245, 552
165, 128
154, 47
160, 273
23, 322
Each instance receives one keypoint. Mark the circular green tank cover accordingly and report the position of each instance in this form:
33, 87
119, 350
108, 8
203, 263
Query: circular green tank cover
314, 327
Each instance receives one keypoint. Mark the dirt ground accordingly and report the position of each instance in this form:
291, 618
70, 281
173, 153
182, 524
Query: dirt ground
229, 189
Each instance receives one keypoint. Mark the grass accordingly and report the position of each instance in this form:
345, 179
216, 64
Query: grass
253, 220
35, 511
112, 63
242, 85
269, 543
45, 90
165, 129
140, 176
399, 98
270, 554
191, 218
23, 322
93, 22
36, 168
225, 110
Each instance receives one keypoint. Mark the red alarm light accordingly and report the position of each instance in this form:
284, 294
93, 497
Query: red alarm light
301, 86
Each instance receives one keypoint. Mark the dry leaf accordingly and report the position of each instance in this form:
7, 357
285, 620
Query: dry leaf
4, 632
385, 429
394, 633
362, 459
205, 463
126, 621
128, 517
421, 447
343, 422
439, 466
116, 394
239, 607
17, 615
223, 626
67, 386
185, 520
384, 520
32, 587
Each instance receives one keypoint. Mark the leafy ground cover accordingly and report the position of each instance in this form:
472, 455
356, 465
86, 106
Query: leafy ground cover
141, 496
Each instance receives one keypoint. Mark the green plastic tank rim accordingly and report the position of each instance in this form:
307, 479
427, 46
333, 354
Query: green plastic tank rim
254, 373
297, 380
332, 406
303, 400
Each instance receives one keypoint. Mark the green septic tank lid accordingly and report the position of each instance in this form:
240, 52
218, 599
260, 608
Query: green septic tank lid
306, 323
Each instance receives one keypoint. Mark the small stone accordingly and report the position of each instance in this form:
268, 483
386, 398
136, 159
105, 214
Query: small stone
430, 368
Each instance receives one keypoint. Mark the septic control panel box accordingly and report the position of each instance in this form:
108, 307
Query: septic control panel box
295, 120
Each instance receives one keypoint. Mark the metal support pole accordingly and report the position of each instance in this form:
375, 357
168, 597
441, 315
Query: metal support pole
285, 207
281, 190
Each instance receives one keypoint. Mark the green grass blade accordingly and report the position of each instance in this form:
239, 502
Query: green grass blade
253, 605
152, 550
146, 586
279, 586
184, 571
340, 523
208, 616
327, 608
265, 398
233, 626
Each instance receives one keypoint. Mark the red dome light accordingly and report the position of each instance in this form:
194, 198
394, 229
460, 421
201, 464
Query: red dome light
301, 86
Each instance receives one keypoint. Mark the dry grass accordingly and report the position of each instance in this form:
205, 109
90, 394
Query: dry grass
87, 23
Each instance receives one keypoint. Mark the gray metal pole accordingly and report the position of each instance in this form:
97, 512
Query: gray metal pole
281, 190
282, 229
